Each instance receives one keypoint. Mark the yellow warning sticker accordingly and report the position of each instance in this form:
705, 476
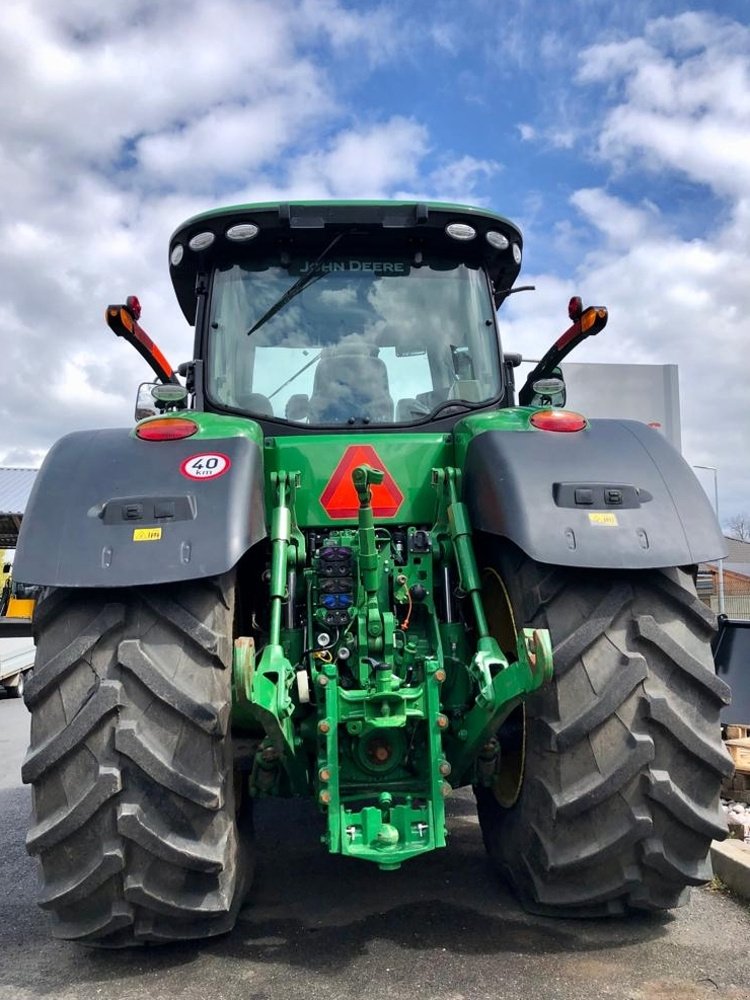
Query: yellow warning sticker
147, 534
602, 517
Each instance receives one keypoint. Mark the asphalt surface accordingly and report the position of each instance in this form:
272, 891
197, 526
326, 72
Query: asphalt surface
318, 926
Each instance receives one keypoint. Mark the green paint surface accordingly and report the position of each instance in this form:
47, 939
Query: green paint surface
409, 458
213, 426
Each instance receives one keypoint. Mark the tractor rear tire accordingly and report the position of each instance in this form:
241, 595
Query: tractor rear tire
131, 763
619, 797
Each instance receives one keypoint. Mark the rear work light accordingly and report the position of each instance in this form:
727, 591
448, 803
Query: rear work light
166, 429
558, 420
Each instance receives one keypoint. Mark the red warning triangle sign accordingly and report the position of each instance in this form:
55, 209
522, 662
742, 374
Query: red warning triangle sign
339, 498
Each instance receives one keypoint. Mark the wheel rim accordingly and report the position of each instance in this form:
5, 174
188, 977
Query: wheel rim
507, 783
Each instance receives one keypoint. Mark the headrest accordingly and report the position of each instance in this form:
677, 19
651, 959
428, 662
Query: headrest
356, 348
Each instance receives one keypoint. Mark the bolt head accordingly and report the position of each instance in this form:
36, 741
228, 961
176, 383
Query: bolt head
324, 727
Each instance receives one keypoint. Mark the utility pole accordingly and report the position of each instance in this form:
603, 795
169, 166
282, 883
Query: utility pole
710, 468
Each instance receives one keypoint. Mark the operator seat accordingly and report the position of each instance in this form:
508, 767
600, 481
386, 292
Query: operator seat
243, 397
350, 381
254, 402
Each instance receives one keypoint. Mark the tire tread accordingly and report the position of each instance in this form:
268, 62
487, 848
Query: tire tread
130, 700
620, 800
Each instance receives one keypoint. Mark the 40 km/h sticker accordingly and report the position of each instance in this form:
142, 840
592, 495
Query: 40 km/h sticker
207, 466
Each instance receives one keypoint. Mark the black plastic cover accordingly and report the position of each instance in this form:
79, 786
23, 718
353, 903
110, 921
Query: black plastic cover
732, 660
523, 485
97, 488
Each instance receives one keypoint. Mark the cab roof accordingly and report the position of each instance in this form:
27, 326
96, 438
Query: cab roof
400, 227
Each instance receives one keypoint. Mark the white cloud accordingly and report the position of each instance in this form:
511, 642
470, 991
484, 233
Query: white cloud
378, 33
446, 35
363, 162
623, 224
107, 80
130, 117
457, 180
686, 110
121, 132
679, 105
233, 139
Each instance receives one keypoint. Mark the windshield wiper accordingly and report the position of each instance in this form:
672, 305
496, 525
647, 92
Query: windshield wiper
302, 282
445, 405
291, 378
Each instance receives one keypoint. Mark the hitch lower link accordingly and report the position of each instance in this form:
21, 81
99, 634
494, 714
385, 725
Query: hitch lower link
500, 685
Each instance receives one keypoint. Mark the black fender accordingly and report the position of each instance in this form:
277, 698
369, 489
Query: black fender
616, 495
110, 510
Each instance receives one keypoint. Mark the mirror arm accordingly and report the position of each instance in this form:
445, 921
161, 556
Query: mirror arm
123, 323
588, 323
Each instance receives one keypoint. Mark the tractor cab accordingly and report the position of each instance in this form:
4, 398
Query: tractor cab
334, 562
347, 315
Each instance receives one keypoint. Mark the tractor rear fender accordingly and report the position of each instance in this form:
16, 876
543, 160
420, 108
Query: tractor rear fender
110, 510
616, 495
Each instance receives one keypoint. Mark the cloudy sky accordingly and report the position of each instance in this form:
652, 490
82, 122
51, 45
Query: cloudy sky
617, 134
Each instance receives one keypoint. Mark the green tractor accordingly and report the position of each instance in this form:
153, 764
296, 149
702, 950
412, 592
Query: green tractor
336, 559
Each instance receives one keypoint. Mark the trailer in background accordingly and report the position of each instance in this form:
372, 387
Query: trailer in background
16, 656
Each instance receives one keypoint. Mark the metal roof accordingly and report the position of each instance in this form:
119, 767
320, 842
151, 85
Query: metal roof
739, 552
15, 487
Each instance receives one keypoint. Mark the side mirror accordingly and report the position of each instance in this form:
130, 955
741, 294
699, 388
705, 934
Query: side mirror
145, 404
586, 323
549, 391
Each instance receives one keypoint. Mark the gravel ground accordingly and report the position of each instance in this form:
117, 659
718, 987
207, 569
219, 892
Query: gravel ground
319, 927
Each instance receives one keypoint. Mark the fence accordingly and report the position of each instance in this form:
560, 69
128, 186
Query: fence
736, 592
735, 605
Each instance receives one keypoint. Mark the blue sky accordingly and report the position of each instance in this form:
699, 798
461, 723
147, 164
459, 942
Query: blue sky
616, 134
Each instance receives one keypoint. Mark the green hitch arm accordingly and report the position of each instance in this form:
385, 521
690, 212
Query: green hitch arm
500, 684
508, 687
460, 532
363, 477
280, 538
455, 519
268, 688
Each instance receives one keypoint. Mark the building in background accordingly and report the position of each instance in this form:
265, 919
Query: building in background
736, 581
649, 393
15, 487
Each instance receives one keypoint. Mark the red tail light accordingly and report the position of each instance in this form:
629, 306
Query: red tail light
558, 420
166, 429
